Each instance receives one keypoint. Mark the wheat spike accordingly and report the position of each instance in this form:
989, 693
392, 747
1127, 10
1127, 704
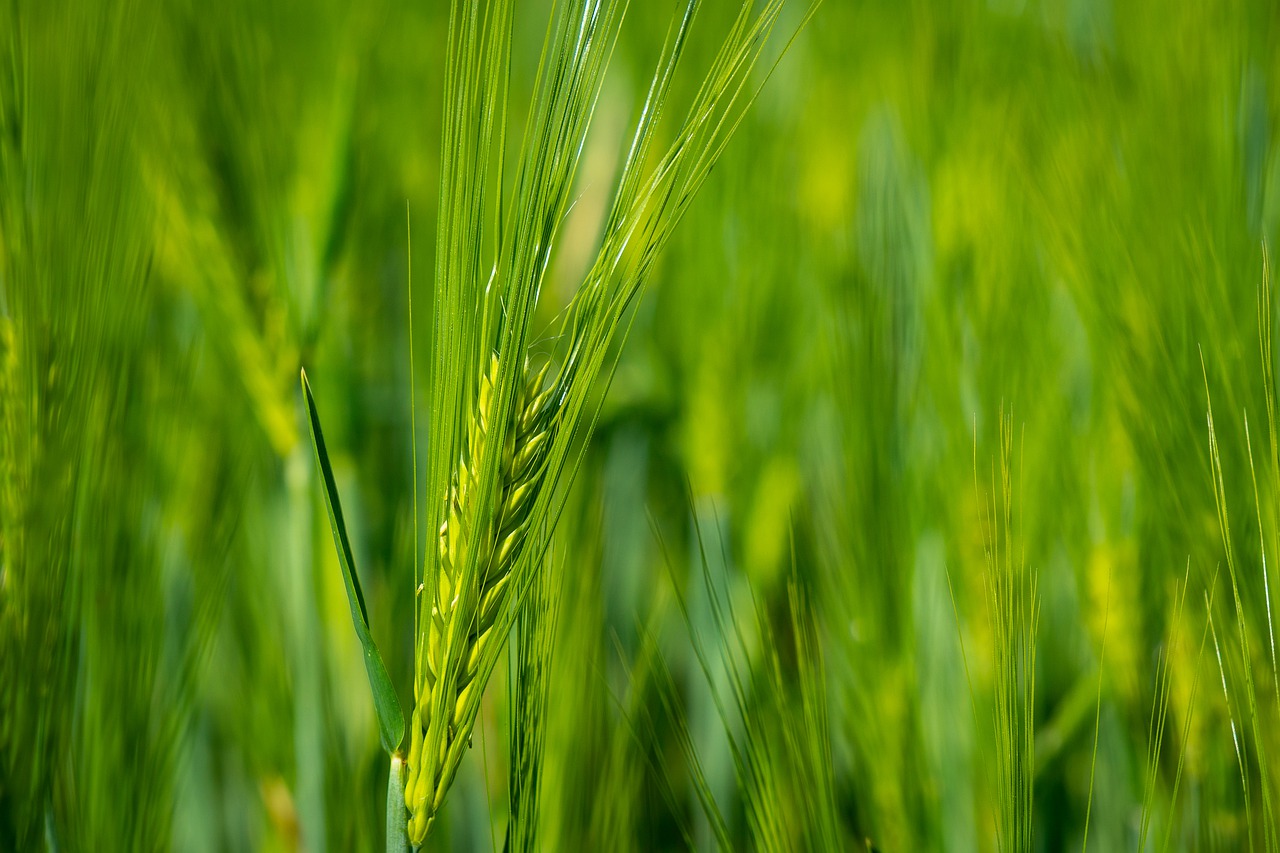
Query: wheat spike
464, 610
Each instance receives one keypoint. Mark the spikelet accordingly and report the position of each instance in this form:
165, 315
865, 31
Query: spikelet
461, 630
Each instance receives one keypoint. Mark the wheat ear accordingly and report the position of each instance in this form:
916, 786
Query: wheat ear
470, 592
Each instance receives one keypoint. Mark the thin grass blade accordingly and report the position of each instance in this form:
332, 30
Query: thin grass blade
390, 715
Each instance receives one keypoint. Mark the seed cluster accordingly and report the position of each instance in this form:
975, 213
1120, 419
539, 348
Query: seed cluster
467, 601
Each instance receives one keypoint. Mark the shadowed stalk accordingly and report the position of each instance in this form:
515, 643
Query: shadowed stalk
782, 754
529, 685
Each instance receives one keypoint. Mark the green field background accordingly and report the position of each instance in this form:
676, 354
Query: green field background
960, 259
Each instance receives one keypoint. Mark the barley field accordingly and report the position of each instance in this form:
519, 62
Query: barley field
581, 425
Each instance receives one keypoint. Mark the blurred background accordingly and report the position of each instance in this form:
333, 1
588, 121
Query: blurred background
936, 213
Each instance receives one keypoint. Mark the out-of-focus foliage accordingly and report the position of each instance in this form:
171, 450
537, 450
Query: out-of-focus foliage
780, 622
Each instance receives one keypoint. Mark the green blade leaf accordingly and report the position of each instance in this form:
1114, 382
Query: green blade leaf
390, 715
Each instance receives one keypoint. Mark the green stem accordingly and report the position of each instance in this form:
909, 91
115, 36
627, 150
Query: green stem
397, 815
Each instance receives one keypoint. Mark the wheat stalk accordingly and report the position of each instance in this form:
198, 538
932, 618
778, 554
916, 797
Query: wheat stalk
505, 445
472, 582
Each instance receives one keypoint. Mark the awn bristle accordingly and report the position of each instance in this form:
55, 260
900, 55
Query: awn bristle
464, 610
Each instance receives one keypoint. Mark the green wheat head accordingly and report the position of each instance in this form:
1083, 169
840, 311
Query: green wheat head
467, 600
507, 438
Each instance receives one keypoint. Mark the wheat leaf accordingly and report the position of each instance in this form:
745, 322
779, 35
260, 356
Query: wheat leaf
385, 701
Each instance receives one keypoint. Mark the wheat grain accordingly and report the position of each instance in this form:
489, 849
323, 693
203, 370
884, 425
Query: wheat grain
468, 600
